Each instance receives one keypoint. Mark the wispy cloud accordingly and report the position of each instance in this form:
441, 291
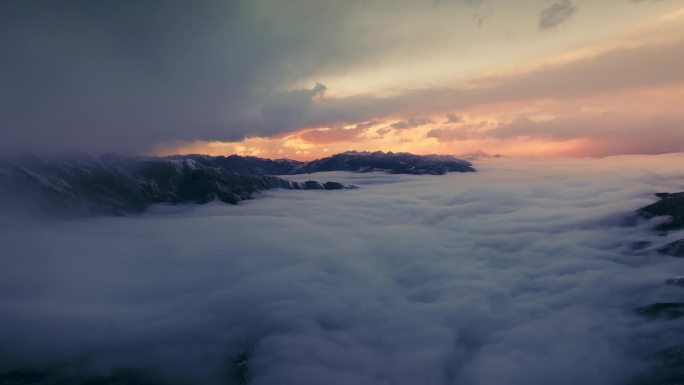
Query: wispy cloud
556, 14
411, 123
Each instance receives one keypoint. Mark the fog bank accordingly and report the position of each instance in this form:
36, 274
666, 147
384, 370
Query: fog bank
521, 273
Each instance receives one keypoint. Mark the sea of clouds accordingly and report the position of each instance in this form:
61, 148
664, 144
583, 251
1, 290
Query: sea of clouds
522, 273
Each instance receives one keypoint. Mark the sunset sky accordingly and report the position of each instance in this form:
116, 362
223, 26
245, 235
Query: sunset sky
307, 78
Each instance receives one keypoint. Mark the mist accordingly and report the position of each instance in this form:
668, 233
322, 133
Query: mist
521, 273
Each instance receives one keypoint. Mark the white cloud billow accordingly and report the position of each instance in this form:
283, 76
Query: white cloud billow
518, 274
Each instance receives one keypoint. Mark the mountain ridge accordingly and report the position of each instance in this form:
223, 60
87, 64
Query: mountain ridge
669, 205
75, 184
354, 161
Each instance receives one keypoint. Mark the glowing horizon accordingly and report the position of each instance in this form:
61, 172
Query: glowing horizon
549, 107
532, 79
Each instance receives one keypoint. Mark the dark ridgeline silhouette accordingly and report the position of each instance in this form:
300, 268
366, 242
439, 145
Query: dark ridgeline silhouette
74, 184
667, 364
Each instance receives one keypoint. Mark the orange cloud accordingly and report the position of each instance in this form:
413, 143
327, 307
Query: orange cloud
645, 120
622, 95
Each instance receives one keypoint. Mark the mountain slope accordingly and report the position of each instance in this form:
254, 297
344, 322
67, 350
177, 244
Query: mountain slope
672, 206
246, 165
394, 163
76, 185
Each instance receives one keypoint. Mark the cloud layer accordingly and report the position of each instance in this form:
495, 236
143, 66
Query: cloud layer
124, 75
128, 76
556, 14
520, 274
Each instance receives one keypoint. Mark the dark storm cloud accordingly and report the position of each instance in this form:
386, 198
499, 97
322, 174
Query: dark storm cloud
128, 75
556, 14
125, 75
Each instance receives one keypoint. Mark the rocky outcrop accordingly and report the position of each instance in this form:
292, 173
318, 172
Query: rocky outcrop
669, 205
666, 310
667, 366
75, 184
78, 185
674, 249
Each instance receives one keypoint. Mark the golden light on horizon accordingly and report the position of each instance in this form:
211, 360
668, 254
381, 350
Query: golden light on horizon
575, 102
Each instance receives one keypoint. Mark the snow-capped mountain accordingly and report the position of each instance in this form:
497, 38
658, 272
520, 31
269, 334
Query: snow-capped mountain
354, 161
78, 184
395, 163
245, 165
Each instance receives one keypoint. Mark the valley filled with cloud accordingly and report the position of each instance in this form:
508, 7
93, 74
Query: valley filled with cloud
524, 272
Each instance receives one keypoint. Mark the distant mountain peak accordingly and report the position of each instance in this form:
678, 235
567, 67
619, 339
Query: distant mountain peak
80, 184
390, 162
